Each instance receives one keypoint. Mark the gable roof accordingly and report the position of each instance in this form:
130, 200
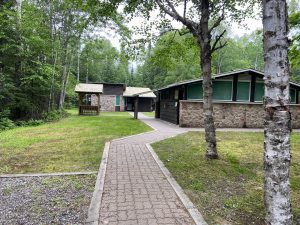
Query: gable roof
220, 76
89, 88
144, 92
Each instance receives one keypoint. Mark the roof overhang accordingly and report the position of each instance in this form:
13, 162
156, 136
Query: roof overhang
89, 88
138, 91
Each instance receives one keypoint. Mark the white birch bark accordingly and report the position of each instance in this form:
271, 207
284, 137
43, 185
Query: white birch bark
278, 119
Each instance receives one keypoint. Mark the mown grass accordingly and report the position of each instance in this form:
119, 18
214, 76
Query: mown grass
72, 144
229, 190
150, 114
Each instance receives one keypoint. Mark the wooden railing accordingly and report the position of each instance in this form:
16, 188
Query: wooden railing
88, 110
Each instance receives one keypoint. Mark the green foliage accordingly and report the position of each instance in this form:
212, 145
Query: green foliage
175, 58
6, 124
294, 53
240, 53
55, 115
101, 62
38, 42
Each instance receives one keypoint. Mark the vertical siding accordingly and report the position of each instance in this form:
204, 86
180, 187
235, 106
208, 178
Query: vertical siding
169, 111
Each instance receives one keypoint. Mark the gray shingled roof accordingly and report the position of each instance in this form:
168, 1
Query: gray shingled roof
133, 91
89, 88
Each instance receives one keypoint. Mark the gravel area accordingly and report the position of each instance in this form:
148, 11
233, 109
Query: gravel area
46, 200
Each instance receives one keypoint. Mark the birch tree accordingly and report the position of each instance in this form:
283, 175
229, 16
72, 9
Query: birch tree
277, 156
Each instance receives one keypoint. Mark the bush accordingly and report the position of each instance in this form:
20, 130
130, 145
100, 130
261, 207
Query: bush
23, 123
55, 115
6, 124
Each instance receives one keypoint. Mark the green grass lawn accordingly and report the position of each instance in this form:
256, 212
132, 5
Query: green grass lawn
229, 190
71, 144
150, 114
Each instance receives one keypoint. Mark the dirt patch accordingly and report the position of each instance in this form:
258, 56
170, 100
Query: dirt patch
45, 200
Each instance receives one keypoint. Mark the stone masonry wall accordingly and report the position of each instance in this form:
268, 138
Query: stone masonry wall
94, 100
108, 102
229, 115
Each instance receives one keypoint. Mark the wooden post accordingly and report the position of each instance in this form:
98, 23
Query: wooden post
252, 92
98, 110
136, 105
79, 103
235, 83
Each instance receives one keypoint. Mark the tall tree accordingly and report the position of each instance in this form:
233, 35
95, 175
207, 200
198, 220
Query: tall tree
201, 18
277, 156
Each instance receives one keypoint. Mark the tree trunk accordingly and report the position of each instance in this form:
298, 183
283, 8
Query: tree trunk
204, 40
78, 64
277, 155
63, 78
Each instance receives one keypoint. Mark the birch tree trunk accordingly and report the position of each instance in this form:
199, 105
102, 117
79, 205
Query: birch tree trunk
63, 78
277, 155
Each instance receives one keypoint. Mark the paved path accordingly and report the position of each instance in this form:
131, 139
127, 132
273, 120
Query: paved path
135, 189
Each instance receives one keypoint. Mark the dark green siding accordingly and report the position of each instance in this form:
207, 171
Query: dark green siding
222, 90
194, 91
259, 92
243, 91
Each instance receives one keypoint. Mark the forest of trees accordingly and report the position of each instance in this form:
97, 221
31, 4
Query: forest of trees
49, 46
46, 47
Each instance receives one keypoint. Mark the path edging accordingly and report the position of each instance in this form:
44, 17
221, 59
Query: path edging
193, 211
94, 208
45, 174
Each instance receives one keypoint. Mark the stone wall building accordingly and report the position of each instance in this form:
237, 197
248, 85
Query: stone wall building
237, 101
111, 97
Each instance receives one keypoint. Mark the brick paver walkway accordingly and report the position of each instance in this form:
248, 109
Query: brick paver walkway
135, 189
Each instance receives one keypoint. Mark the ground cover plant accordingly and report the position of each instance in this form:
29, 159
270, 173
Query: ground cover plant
228, 190
71, 144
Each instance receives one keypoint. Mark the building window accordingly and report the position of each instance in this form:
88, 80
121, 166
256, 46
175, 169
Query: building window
118, 100
259, 92
293, 95
194, 91
222, 90
243, 91
176, 94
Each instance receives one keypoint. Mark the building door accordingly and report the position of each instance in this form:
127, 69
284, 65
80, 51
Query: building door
118, 103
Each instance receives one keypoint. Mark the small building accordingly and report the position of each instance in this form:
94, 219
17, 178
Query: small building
237, 101
112, 97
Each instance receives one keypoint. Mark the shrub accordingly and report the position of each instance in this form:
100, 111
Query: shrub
6, 124
55, 115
